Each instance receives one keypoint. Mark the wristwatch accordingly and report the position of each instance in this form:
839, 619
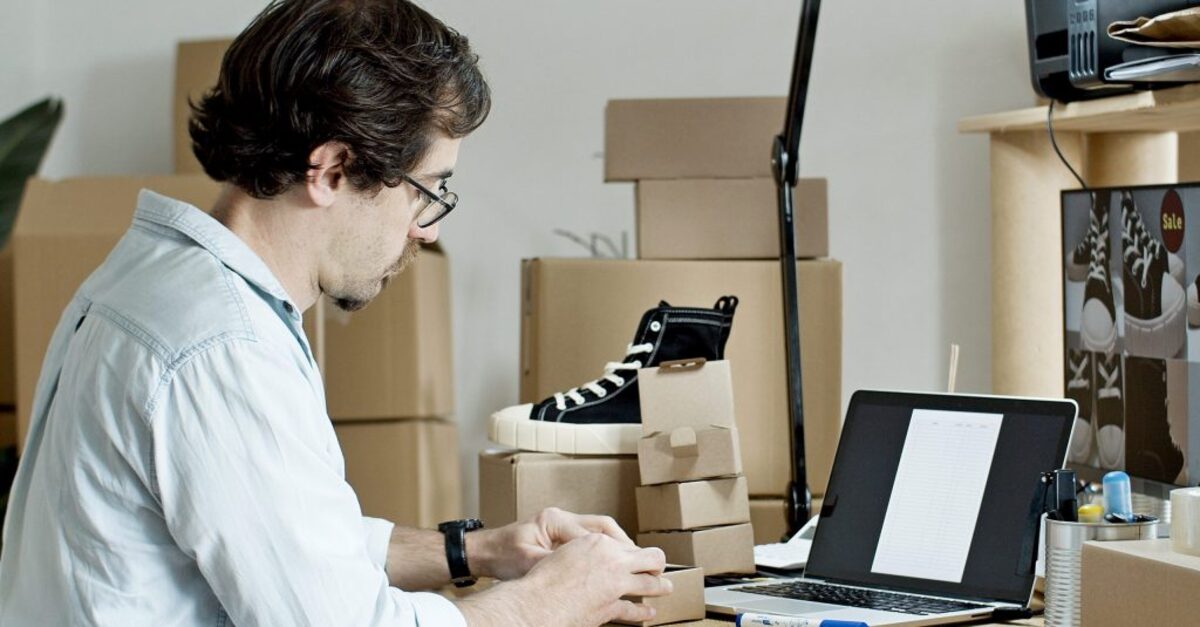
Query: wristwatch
456, 549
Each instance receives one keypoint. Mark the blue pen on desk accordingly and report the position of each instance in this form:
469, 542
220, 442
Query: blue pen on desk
770, 620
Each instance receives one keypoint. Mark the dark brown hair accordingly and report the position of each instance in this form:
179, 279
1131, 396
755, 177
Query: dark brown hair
377, 75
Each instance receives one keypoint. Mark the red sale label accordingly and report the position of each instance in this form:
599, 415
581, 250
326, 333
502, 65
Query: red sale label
1172, 221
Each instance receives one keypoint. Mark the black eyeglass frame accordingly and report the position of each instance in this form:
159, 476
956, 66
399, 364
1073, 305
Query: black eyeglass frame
447, 201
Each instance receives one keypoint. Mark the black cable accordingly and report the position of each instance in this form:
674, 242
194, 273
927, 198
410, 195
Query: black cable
1053, 142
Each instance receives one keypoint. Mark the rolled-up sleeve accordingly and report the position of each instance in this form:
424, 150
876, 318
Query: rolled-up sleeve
248, 490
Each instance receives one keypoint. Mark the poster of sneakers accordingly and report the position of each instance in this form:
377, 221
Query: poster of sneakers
1131, 269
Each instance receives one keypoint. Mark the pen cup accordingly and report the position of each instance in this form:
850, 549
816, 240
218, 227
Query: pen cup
1064, 547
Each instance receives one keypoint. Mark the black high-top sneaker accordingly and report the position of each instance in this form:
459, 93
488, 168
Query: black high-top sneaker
1080, 381
1110, 411
603, 417
1149, 450
1154, 301
1098, 325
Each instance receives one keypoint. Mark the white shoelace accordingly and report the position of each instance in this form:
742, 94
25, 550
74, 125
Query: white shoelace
610, 375
1078, 380
1098, 267
1110, 389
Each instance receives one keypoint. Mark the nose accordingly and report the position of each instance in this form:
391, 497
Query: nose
427, 235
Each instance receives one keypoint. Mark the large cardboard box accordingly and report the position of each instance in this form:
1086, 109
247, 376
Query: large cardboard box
1138, 582
688, 422
578, 314
64, 231
197, 66
515, 485
393, 358
685, 603
727, 219
718, 550
769, 521
690, 138
691, 505
405, 471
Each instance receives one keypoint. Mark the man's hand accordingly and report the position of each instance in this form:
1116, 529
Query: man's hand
511, 551
581, 584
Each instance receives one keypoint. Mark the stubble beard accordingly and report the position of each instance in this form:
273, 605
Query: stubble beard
350, 303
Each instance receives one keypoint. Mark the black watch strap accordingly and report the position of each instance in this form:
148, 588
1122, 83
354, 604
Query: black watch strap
455, 532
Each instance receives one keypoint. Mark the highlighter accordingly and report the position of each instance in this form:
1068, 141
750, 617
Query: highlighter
1118, 501
1091, 513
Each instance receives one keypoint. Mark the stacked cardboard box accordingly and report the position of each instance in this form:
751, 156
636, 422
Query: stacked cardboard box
1137, 582
693, 503
707, 226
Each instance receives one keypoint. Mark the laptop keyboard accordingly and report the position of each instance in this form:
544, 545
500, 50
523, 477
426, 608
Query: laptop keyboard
858, 597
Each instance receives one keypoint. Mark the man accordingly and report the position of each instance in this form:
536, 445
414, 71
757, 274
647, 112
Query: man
180, 467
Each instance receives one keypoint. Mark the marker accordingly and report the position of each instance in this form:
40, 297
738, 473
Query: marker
771, 620
1091, 513
1118, 502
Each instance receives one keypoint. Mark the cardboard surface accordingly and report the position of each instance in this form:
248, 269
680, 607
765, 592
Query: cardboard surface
767, 517
688, 454
692, 394
64, 231
515, 485
1139, 582
683, 138
564, 297
727, 219
405, 471
692, 505
686, 601
393, 358
197, 67
8, 360
718, 550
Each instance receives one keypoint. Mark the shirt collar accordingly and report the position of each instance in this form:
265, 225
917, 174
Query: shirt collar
212, 235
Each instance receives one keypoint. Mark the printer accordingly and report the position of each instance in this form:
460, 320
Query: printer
1070, 50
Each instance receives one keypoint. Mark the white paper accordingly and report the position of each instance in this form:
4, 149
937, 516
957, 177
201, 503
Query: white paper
936, 496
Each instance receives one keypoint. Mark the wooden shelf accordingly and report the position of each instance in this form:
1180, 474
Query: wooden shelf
1175, 109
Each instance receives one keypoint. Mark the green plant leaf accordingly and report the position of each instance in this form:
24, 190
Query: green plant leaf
24, 139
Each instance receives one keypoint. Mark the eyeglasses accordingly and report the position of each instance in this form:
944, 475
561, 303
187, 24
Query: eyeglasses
436, 206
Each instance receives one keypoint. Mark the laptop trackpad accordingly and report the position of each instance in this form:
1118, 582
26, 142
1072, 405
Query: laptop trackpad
808, 609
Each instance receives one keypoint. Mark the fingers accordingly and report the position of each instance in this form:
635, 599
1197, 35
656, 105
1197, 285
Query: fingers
605, 525
646, 585
630, 612
651, 560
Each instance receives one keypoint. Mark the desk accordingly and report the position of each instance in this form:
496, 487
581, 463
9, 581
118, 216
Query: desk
713, 622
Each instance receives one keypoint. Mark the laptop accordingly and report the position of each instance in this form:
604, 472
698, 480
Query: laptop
928, 517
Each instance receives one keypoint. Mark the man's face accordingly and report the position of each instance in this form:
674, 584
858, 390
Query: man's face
376, 235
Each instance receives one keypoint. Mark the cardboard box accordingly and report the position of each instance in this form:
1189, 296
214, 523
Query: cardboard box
405, 471
686, 601
690, 138
727, 219
694, 504
197, 67
564, 297
393, 358
769, 521
8, 360
687, 455
64, 231
718, 550
1138, 582
515, 485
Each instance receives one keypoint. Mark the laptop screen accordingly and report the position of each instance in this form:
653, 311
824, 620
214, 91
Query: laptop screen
931, 493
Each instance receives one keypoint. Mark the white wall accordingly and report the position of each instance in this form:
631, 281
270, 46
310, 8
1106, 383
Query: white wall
908, 196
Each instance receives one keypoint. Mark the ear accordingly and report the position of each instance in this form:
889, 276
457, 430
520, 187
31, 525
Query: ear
326, 172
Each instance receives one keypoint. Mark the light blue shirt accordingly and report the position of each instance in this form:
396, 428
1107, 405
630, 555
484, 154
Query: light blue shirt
180, 468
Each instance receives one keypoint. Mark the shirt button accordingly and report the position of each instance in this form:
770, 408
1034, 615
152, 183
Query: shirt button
288, 307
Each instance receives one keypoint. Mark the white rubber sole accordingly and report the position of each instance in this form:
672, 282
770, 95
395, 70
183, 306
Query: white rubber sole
1110, 441
512, 427
1081, 440
1193, 306
1098, 331
1163, 336
1075, 271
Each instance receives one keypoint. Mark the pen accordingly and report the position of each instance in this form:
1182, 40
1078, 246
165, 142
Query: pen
769, 620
